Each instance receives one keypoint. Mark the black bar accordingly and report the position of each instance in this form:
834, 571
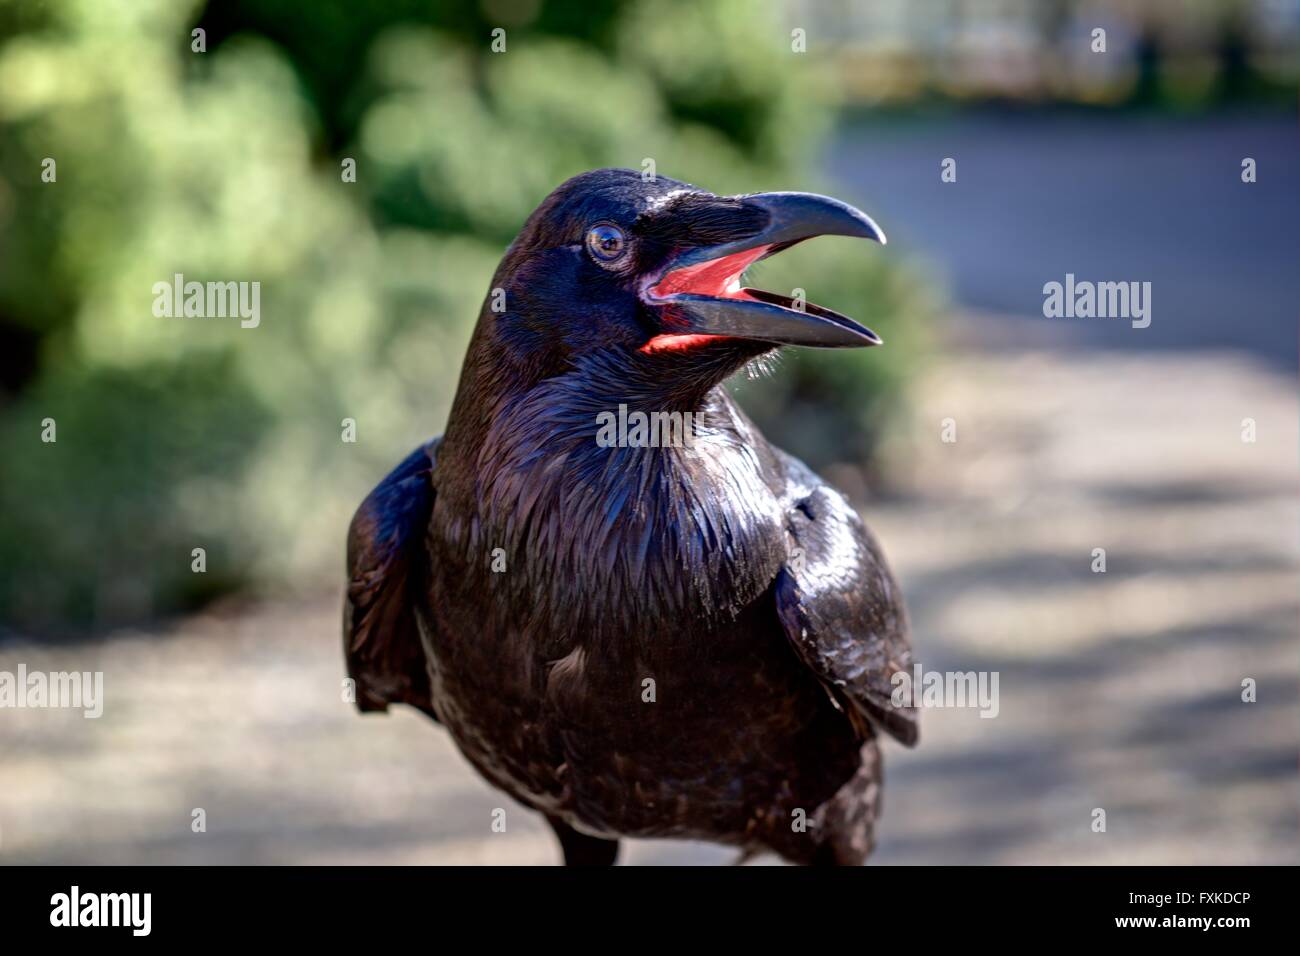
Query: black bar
879, 906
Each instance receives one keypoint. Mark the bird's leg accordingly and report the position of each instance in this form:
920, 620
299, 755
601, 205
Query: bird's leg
582, 850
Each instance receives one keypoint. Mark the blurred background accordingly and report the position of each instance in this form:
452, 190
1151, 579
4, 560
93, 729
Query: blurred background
1120, 690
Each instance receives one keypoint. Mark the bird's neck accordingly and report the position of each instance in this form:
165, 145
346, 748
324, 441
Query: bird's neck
625, 530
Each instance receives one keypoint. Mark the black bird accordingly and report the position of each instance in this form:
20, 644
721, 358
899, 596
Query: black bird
693, 641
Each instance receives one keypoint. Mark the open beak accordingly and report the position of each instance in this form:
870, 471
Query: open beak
699, 295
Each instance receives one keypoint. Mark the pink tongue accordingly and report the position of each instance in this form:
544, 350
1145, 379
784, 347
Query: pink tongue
709, 278
678, 343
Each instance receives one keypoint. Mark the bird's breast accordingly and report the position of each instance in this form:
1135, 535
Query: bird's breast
613, 726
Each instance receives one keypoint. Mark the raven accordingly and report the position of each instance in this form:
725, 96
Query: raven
693, 641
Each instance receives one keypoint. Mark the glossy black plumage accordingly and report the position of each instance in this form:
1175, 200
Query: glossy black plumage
725, 576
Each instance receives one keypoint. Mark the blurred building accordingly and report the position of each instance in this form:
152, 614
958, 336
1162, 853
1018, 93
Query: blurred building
1180, 52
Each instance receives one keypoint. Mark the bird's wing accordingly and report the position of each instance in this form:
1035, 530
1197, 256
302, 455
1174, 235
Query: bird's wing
841, 608
386, 556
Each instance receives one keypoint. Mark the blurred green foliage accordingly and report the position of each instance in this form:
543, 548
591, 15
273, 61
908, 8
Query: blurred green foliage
225, 165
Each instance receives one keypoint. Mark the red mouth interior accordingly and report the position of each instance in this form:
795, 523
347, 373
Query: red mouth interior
718, 278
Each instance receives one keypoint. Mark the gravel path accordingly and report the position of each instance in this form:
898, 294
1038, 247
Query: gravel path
1119, 690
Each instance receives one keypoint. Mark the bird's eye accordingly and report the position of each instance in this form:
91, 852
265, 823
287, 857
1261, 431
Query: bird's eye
606, 242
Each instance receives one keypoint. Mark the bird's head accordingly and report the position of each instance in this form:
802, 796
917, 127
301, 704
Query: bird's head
650, 270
